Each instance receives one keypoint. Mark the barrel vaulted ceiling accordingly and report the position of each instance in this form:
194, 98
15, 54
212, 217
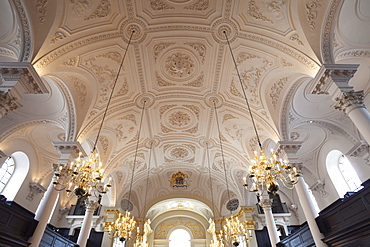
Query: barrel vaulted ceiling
178, 63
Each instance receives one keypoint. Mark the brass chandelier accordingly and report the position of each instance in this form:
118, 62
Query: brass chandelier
265, 172
121, 227
84, 177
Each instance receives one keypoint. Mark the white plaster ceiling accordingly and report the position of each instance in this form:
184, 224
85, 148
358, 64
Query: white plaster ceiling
178, 61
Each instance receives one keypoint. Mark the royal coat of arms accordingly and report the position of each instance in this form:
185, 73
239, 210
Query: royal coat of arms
179, 181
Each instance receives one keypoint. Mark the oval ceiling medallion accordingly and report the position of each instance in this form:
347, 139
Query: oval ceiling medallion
178, 65
179, 153
179, 118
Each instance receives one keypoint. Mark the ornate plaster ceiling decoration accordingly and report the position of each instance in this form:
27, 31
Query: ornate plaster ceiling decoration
179, 66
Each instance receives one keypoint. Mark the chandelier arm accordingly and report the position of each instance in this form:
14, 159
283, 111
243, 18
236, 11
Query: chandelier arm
245, 95
136, 149
111, 93
222, 153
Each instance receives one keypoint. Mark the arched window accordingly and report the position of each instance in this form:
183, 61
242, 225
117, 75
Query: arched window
20, 166
180, 238
6, 171
341, 173
349, 174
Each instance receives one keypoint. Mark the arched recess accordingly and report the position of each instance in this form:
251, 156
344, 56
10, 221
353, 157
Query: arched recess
22, 166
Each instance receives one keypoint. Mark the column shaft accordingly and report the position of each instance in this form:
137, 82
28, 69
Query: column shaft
309, 212
86, 224
43, 214
270, 223
361, 118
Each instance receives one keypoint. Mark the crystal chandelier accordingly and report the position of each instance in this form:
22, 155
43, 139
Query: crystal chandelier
142, 236
121, 227
265, 172
84, 176
233, 231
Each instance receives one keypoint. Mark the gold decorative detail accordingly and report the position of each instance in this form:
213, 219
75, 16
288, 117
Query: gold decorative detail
311, 7
199, 6
179, 181
104, 143
276, 90
157, 49
114, 56
295, 38
70, 62
159, 5
194, 227
228, 117
162, 82
197, 83
194, 109
163, 109
233, 90
57, 36
80, 89
254, 12
179, 119
41, 9
285, 63
165, 129
200, 48
101, 11
179, 65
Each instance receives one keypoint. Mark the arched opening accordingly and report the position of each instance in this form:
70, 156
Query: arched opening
14, 183
342, 173
6, 171
180, 238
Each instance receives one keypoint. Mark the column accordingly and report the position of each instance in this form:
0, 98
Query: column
68, 151
357, 156
291, 148
266, 203
309, 212
43, 214
333, 79
352, 104
91, 205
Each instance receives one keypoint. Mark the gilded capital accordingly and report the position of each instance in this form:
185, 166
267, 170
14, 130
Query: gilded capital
349, 101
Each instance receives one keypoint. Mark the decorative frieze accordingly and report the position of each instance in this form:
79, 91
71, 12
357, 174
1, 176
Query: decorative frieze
331, 75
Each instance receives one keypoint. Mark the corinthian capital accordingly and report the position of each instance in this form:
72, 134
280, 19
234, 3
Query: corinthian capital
349, 101
265, 203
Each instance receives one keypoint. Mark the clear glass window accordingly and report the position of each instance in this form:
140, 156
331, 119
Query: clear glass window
6, 171
180, 238
349, 174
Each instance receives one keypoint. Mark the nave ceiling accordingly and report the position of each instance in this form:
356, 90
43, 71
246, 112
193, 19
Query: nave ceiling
178, 63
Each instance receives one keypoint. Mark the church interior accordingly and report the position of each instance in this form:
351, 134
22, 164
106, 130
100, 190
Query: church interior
184, 123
